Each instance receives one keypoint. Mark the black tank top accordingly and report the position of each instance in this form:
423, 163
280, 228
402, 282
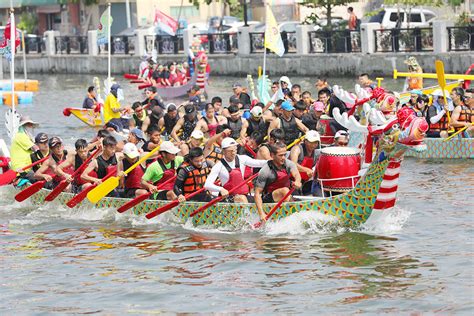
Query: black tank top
260, 126
290, 128
235, 127
37, 155
103, 164
58, 159
170, 123
188, 127
77, 162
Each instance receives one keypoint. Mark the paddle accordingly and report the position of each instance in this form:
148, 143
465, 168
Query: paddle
442, 84
143, 86
172, 204
64, 183
10, 175
220, 198
78, 198
273, 210
130, 76
142, 197
111, 183
250, 150
29, 191
296, 141
461, 130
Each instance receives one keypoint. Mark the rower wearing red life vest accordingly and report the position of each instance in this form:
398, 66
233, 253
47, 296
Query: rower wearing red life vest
305, 157
161, 171
48, 171
230, 170
191, 176
277, 135
273, 180
132, 180
104, 164
73, 161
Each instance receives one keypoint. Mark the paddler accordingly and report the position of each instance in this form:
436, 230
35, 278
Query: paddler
256, 121
139, 115
188, 123
153, 99
230, 170
136, 137
273, 180
212, 148
162, 170
463, 114
414, 83
73, 161
311, 119
305, 156
195, 140
41, 140
22, 144
437, 114
277, 135
290, 125
112, 109
191, 176
104, 164
169, 120
48, 171
237, 124
132, 180
90, 102
341, 138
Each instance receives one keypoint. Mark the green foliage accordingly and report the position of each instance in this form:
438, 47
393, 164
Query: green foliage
28, 22
464, 19
235, 8
327, 5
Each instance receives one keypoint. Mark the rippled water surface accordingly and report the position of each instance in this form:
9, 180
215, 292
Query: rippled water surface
417, 259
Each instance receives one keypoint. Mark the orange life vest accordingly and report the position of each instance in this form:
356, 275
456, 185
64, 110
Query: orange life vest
195, 178
466, 115
441, 125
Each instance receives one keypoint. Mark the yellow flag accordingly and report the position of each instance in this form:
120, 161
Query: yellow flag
273, 39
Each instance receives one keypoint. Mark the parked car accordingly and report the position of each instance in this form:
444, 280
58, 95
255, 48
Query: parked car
415, 18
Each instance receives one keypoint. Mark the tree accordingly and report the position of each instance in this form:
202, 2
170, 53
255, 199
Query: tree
327, 5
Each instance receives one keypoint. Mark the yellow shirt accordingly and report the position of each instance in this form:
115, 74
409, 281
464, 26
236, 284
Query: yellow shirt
20, 150
111, 103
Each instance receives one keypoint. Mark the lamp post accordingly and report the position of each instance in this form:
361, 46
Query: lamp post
245, 12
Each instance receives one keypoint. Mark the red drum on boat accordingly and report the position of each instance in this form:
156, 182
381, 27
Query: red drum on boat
327, 136
338, 168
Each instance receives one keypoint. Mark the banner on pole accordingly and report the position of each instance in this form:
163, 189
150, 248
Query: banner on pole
166, 23
5, 46
103, 29
273, 39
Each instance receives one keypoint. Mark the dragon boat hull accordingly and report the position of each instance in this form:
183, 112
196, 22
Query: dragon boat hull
455, 148
350, 209
88, 116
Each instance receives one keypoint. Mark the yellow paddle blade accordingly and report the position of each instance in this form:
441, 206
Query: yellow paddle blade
141, 160
103, 189
440, 73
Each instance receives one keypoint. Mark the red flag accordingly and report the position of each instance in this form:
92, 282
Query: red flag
5, 47
165, 23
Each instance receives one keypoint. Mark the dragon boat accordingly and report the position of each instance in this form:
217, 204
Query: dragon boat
438, 148
200, 77
374, 193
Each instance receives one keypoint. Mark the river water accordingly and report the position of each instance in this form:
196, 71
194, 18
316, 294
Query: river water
417, 259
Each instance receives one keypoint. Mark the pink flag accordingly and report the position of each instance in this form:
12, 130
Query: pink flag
5, 47
165, 23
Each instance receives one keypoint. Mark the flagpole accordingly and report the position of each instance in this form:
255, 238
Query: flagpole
110, 47
264, 85
12, 47
24, 55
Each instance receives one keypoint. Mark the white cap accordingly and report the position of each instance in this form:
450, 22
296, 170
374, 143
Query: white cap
168, 147
341, 133
131, 150
197, 134
228, 142
256, 111
312, 136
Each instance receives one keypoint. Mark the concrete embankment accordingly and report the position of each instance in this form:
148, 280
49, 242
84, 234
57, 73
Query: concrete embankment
333, 65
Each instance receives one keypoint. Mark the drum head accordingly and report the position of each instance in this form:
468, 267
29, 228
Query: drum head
340, 151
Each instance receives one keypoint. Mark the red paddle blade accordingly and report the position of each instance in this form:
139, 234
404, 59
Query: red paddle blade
7, 177
133, 202
56, 191
162, 209
130, 76
136, 81
143, 86
79, 197
29, 191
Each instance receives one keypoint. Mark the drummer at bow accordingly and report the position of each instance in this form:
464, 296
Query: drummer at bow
273, 181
